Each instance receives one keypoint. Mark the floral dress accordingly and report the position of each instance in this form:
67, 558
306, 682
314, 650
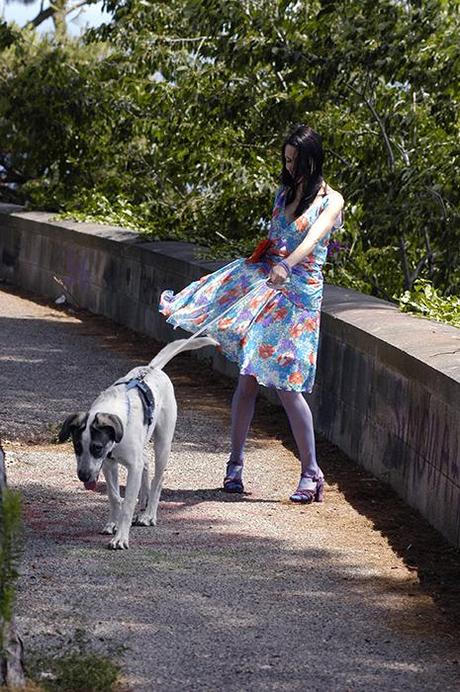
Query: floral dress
273, 333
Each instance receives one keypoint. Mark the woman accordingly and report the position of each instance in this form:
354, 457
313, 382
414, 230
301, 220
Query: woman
265, 311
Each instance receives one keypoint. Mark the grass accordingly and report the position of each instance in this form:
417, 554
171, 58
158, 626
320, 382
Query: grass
90, 672
75, 670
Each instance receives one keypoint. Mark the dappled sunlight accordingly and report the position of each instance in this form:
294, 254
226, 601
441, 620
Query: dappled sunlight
227, 578
249, 589
20, 359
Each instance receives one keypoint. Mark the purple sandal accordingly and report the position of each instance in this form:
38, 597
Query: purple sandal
306, 495
233, 480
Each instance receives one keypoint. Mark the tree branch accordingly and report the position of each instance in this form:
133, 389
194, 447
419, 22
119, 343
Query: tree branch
50, 11
429, 252
405, 265
77, 6
42, 16
369, 104
165, 39
417, 270
337, 156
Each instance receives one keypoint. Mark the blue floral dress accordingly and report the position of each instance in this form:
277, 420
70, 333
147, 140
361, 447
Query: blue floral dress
273, 333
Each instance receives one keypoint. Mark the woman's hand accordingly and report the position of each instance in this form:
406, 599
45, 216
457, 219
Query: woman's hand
278, 275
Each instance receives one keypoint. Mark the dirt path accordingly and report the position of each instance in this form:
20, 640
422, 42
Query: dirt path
231, 593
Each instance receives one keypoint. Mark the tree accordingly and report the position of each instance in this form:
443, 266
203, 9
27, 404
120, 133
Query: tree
173, 124
379, 80
57, 10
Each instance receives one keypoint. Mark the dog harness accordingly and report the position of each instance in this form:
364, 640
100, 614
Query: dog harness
146, 395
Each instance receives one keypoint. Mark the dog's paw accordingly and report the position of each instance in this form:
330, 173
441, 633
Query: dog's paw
142, 504
144, 520
109, 529
119, 542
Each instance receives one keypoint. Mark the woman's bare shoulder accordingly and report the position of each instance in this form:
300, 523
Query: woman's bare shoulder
335, 195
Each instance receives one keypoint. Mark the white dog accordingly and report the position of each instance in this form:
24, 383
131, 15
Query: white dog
116, 430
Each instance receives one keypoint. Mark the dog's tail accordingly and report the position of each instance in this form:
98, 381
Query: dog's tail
170, 350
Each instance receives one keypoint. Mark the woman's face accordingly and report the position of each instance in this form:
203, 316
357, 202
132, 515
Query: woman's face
290, 155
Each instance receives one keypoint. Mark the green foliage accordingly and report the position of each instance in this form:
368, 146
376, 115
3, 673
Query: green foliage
370, 76
171, 117
8, 34
88, 673
10, 550
96, 207
52, 118
75, 669
425, 300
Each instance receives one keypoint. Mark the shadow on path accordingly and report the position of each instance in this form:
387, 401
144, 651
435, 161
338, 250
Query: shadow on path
212, 597
255, 598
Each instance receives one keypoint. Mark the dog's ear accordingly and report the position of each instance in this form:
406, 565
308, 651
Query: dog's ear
75, 420
111, 421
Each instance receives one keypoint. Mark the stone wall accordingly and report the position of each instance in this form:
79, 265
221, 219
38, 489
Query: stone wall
387, 390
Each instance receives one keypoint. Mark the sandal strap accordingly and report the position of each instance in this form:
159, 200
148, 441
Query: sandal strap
234, 474
312, 494
315, 478
232, 479
305, 492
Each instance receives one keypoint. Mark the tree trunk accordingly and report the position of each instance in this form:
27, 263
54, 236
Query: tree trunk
60, 26
11, 654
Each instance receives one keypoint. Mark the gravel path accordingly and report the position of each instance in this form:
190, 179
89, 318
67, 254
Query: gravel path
230, 593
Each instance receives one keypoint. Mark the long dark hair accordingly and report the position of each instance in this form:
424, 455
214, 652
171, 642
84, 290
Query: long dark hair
308, 165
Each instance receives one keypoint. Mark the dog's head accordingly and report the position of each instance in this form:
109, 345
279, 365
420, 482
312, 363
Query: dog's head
93, 436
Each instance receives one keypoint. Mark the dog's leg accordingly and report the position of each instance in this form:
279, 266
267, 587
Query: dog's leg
162, 436
144, 491
133, 483
110, 471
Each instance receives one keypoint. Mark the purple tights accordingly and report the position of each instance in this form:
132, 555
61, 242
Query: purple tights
243, 405
298, 412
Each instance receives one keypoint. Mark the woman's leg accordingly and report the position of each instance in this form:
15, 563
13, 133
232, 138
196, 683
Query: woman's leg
243, 404
301, 422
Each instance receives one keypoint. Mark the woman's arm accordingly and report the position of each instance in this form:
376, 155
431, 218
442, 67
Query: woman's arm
320, 228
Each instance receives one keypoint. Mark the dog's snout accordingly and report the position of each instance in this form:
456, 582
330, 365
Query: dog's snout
84, 476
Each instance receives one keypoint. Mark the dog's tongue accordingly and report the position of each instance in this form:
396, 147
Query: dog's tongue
90, 485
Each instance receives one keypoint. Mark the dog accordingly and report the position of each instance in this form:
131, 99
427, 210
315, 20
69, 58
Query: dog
121, 421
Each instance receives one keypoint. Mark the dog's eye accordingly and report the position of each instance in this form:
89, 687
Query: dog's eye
78, 447
96, 449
